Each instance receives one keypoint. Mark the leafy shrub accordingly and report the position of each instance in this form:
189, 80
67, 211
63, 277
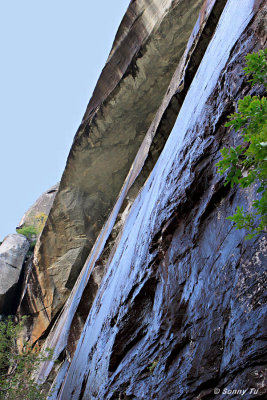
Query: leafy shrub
29, 231
246, 164
16, 368
32, 231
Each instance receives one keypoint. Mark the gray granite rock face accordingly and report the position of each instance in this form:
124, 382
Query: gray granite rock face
13, 251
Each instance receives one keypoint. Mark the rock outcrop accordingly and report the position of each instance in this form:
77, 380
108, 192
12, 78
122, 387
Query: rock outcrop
13, 251
149, 44
138, 281
170, 303
42, 206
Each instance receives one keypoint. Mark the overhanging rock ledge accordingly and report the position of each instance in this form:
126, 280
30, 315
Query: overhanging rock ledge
170, 299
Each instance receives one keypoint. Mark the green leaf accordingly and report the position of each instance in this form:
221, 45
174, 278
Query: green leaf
245, 165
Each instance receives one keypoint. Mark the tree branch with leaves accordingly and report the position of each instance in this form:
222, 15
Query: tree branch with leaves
17, 367
246, 164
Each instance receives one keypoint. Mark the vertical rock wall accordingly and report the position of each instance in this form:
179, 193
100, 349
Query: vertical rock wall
179, 312
66, 331
149, 44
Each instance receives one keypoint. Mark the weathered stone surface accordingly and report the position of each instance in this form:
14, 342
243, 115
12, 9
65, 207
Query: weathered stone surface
146, 51
42, 206
180, 310
13, 251
66, 332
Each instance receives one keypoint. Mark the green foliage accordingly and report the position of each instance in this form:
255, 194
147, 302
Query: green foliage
257, 66
16, 368
29, 231
32, 231
32, 246
246, 164
153, 365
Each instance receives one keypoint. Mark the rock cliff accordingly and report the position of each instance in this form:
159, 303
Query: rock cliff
139, 283
146, 50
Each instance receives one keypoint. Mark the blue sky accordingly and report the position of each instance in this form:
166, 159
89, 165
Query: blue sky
52, 53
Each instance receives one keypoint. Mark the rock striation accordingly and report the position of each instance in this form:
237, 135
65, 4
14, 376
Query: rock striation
139, 282
13, 251
170, 303
149, 44
42, 206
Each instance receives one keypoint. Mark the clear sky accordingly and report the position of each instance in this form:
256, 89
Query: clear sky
52, 53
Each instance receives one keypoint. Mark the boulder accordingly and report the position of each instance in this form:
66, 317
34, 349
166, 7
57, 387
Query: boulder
41, 207
13, 251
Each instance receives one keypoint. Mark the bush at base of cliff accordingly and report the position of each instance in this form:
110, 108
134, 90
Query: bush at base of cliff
247, 164
17, 368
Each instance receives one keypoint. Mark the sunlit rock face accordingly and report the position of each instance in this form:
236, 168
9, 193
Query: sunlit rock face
176, 310
42, 206
147, 48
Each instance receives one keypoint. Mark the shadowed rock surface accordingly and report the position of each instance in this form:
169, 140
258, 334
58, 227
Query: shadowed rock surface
66, 332
13, 251
171, 303
147, 48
